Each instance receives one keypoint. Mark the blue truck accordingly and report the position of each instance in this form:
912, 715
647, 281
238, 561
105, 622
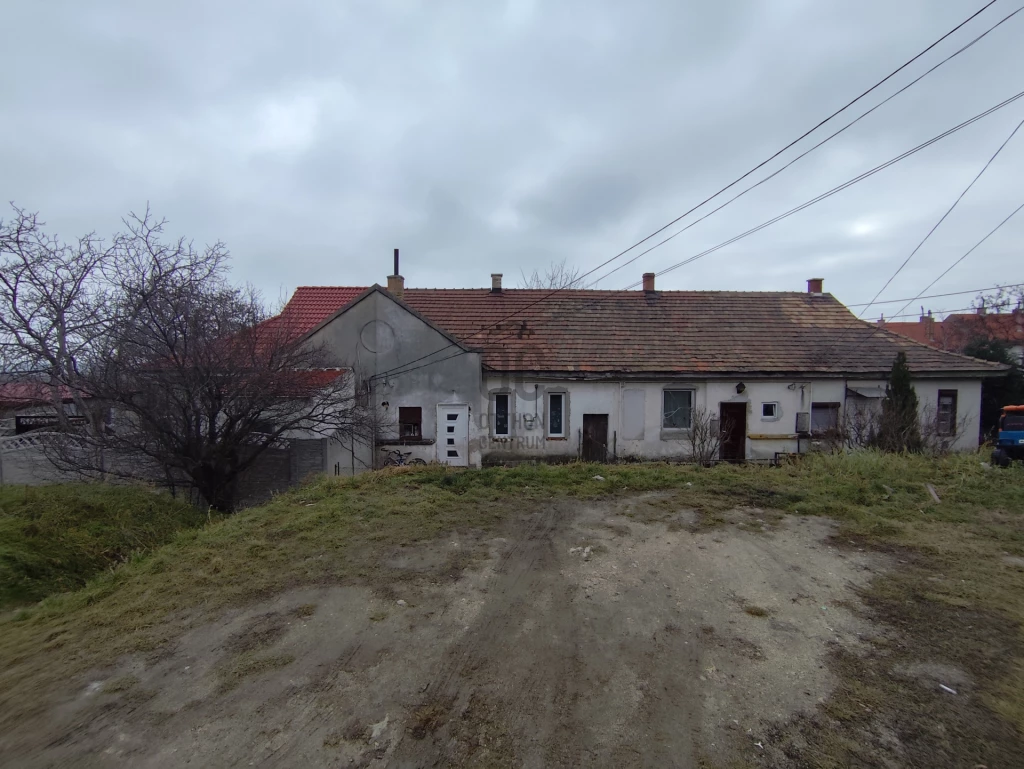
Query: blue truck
1010, 443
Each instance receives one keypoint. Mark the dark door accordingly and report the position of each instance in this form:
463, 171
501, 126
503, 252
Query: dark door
733, 424
595, 438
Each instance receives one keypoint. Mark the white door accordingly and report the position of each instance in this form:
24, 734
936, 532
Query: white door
453, 434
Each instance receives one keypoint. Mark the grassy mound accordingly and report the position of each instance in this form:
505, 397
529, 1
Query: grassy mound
55, 538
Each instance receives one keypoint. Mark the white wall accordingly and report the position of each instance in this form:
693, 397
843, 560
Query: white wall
765, 437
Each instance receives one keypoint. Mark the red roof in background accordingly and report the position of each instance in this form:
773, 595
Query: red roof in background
956, 331
631, 332
30, 393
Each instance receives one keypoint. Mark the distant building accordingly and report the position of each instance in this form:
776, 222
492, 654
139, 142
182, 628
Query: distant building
955, 332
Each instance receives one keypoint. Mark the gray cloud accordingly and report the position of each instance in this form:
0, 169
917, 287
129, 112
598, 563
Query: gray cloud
313, 137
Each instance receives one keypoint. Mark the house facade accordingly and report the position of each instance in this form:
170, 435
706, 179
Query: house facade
471, 377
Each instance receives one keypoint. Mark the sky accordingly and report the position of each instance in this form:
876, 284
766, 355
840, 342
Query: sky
314, 137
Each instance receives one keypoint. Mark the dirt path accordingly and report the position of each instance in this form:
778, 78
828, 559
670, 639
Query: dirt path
583, 636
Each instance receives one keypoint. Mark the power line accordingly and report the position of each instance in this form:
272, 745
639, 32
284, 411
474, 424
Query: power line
951, 293
411, 366
834, 190
954, 264
948, 212
728, 186
916, 298
811, 149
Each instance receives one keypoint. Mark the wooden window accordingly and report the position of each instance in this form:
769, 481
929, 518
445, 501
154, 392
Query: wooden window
946, 415
556, 415
410, 422
501, 413
677, 411
824, 417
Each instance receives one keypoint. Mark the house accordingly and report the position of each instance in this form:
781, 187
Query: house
956, 331
482, 376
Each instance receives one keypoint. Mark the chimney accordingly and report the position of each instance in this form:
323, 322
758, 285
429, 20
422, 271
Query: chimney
396, 283
814, 285
495, 282
929, 325
649, 282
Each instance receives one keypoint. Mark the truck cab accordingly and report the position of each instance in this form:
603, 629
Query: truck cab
1010, 443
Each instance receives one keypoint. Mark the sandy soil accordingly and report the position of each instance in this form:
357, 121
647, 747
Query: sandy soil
584, 635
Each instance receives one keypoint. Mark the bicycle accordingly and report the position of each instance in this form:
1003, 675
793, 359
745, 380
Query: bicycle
396, 458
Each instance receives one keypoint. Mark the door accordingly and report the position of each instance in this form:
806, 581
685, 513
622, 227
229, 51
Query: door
733, 426
453, 434
595, 438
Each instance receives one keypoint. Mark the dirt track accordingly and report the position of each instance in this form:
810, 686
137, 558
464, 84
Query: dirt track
581, 636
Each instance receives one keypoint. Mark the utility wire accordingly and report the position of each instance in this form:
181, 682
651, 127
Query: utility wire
954, 264
807, 151
728, 186
943, 217
951, 293
916, 298
410, 366
834, 190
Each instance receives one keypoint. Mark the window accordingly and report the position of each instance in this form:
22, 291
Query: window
769, 411
946, 416
678, 409
501, 408
556, 415
410, 422
824, 417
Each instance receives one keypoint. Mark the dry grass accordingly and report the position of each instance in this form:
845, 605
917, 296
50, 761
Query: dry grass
332, 531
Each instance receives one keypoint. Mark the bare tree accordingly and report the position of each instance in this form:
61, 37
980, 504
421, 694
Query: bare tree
557, 275
705, 436
178, 374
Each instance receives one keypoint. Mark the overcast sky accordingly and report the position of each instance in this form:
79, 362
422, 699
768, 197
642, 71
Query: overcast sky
314, 136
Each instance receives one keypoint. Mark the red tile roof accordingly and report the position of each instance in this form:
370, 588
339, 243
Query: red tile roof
30, 393
957, 331
695, 332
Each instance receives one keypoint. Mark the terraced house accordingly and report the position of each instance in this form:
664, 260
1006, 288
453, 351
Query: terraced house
494, 375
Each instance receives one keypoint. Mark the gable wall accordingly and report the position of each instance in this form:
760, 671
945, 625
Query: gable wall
377, 335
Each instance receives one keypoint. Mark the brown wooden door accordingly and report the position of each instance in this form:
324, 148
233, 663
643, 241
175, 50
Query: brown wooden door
733, 426
595, 438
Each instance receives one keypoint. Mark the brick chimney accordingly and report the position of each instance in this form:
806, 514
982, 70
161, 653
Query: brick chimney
649, 282
814, 285
396, 283
495, 282
929, 325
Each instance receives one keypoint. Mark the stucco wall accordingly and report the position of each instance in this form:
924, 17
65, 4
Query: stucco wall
377, 335
624, 402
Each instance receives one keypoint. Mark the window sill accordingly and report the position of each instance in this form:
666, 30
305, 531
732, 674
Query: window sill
406, 442
675, 433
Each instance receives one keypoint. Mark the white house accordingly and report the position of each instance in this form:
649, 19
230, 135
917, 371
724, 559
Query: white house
482, 376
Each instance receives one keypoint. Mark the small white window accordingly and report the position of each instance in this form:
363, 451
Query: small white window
556, 415
769, 411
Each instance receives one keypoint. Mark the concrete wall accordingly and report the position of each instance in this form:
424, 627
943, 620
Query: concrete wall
634, 412
378, 335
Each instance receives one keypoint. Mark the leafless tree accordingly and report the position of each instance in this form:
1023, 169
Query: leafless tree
705, 436
180, 375
557, 275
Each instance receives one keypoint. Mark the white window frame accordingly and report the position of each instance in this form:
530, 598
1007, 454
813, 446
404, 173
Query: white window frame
565, 414
693, 404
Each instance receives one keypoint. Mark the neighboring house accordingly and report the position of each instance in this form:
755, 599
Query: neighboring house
26, 415
478, 376
956, 331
